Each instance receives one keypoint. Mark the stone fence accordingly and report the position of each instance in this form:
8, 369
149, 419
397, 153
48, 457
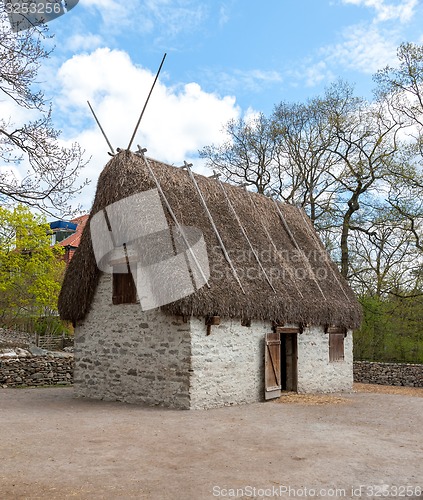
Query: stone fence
370, 372
52, 369
57, 368
14, 338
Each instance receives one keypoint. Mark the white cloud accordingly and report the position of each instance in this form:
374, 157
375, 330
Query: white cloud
254, 80
223, 15
175, 16
364, 48
10, 174
170, 17
316, 73
86, 42
402, 11
177, 123
116, 16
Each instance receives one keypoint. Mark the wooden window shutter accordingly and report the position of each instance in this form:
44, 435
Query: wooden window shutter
336, 346
124, 290
272, 366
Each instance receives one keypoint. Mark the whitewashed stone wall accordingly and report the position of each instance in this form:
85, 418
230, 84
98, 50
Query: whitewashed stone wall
227, 366
125, 354
315, 372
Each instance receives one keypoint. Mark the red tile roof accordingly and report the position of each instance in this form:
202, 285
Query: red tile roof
74, 239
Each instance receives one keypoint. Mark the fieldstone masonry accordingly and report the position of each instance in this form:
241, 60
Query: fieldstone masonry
37, 370
388, 373
315, 372
227, 366
13, 338
125, 354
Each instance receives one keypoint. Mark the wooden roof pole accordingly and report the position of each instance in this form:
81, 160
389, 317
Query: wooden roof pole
285, 225
188, 166
141, 152
322, 252
245, 235
146, 102
112, 151
274, 246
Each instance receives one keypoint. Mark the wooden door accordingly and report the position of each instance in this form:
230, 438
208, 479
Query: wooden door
272, 366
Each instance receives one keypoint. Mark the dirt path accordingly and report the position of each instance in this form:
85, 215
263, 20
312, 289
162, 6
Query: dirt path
53, 446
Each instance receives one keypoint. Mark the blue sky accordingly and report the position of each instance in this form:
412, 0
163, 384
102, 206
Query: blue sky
225, 59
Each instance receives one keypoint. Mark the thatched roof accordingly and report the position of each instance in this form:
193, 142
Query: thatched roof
307, 286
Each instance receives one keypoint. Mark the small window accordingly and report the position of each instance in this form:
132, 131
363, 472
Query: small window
124, 290
336, 346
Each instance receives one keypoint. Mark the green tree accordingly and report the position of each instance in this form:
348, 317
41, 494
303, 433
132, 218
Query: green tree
31, 269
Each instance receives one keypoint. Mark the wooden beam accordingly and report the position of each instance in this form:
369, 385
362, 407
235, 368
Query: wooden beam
335, 329
286, 330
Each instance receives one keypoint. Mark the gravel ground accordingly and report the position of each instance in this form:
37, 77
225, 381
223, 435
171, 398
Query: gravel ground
368, 444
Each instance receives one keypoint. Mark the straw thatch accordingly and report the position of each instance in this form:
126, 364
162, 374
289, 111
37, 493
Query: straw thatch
308, 288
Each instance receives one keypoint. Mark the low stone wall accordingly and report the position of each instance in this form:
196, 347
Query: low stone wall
57, 368
388, 373
13, 338
37, 370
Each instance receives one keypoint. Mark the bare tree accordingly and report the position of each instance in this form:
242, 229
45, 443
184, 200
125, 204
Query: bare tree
249, 156
364, 139
303, 171
51, 169
384, 257
402, 88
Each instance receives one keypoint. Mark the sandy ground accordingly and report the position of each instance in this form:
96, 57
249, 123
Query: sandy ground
53, 446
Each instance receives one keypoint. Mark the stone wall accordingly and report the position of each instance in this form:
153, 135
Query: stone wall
315, 372
125, 354
13, 338
388, 373
37, 370
227, 366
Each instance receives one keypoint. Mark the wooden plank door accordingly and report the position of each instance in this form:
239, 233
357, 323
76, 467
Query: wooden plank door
272, 366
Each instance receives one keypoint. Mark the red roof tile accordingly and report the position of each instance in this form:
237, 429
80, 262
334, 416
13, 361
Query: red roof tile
74, 239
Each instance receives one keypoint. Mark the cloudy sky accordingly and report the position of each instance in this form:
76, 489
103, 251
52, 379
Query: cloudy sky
225, 59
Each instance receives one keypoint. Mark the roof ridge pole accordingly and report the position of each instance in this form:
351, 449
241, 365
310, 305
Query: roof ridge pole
188, 166
146, 102
285, 224
324, 253
274, 245
141, 152
245, 235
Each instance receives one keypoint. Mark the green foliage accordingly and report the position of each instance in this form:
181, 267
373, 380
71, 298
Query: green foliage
392, 330
52, 325
31, 269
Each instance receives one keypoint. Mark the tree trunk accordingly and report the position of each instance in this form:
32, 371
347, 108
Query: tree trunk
353, 206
